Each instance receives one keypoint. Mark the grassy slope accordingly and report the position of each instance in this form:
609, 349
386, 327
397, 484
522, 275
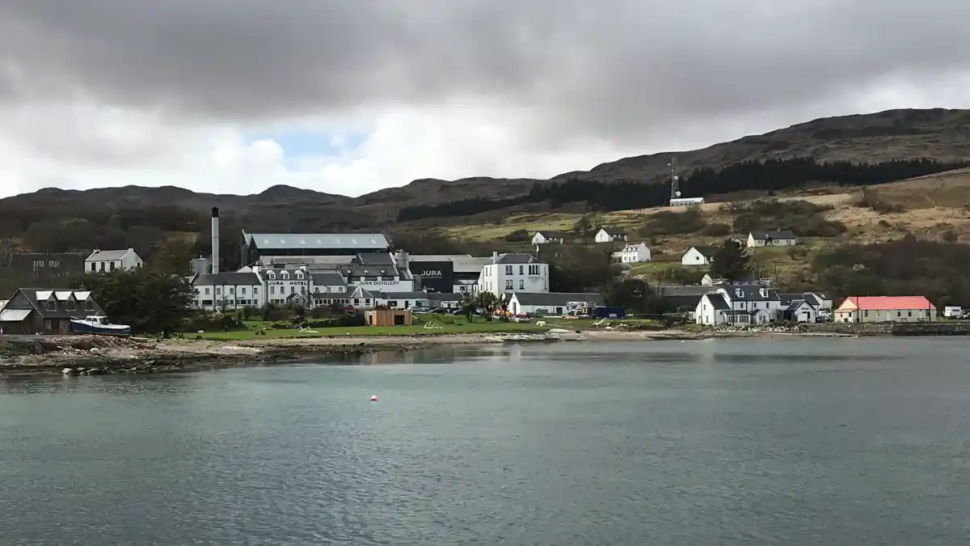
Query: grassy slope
934, 204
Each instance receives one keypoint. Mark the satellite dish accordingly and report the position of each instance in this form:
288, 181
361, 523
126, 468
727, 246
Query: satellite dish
677, 194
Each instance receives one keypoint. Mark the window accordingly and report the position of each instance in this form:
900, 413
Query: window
521, 270
231, 289
207, 290
356, 301
271, 276
89, 305
218, 290
867, 314
508, 270
534, 270
94, 266
299, 275
112, 264
51, 305
71, 305
521, 284
303, 290
272, 289
285, 275
292, 289
101, 266
316, 289
367, 301
242, 290
910, 313
508, 284
255, 290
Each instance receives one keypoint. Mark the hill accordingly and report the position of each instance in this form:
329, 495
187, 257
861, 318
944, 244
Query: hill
939, 134
781, 162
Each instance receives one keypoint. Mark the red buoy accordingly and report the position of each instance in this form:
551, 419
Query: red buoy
373, 398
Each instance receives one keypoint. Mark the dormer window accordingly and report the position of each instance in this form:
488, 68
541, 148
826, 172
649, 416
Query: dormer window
299, 275
89, 305
51, 305
285, 275
764, 292
71, 305
271, 275
738, 293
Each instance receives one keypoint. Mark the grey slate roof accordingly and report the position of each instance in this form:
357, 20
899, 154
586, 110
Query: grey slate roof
718, 302
775, 235
793, 305
350, 241
36, 299
517, 258
368, 270
666, 291
444, 296
310, 261
557, 298
682, 302
463, 263
750, 293
107, 255
375, 258
552, 234
402, 295
234, 279
328, 278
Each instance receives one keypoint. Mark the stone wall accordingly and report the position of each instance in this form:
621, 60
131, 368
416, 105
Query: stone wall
901, 329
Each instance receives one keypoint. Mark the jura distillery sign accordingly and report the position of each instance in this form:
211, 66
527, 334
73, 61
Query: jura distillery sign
436, 276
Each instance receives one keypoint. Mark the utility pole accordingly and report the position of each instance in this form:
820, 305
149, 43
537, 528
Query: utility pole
674, 179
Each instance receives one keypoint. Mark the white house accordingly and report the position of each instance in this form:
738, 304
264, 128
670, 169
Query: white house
633, 253
771, 238
514, 272
550, 303
609, 235
799, 307
228, 291
698, 255
740, 305
328, 288
110, 260
546, 237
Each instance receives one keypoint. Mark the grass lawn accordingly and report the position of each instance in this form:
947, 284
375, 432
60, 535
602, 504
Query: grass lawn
447, 325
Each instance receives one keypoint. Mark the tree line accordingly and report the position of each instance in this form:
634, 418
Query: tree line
770, 175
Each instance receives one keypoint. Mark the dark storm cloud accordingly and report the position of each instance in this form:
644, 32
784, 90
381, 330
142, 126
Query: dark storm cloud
608, 67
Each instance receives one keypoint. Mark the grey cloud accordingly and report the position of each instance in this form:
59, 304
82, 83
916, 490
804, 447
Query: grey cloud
612, 68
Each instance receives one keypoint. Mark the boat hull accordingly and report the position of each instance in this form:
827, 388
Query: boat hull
80, 327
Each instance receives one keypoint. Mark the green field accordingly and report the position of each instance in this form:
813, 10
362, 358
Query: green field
444, 325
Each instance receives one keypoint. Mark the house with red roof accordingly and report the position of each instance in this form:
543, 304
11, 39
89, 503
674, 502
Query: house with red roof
886, 309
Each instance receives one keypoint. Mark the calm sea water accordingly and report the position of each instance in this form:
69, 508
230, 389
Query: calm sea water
795, 442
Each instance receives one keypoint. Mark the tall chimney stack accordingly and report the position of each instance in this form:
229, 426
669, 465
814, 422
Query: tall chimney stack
215, 240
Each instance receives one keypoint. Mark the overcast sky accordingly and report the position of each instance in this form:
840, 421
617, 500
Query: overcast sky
350, 96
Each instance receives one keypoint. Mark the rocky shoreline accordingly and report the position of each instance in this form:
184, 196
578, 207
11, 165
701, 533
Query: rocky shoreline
99, 355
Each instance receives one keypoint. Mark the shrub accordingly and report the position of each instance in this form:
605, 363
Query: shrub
717, 229
869, 199
518, 236
675, 223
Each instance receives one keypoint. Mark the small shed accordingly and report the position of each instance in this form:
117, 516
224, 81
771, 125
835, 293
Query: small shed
388, 317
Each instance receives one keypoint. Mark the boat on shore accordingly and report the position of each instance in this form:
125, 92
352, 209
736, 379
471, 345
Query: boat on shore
99, 325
